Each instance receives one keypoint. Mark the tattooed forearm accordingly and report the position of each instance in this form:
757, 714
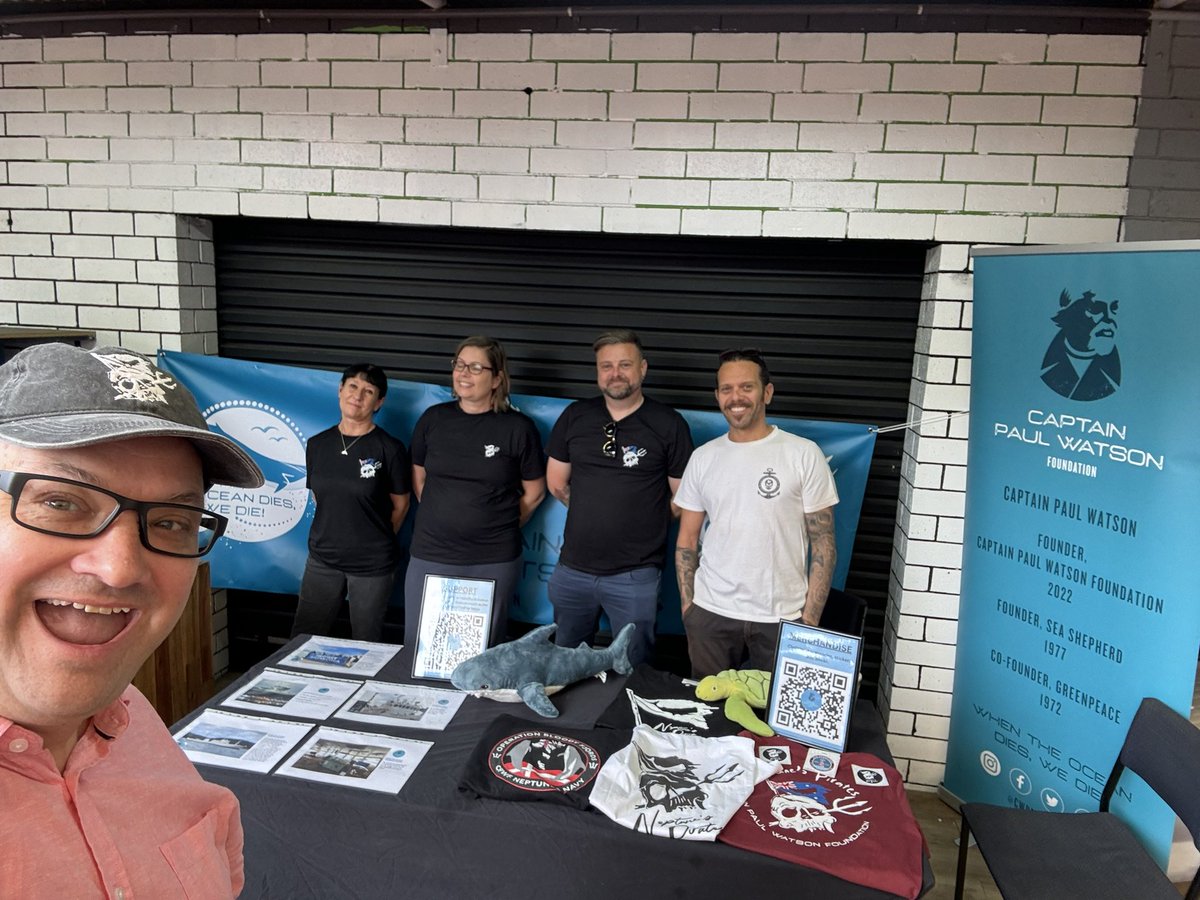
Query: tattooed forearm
822, 562
686, 561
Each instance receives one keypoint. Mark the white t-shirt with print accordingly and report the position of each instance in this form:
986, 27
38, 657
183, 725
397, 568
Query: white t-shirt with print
754, 559
680, 786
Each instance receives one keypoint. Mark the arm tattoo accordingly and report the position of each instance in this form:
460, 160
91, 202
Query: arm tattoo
687, 559
822, 561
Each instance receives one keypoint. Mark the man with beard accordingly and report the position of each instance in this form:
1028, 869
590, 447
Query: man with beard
104, 464
769, 498
615, 461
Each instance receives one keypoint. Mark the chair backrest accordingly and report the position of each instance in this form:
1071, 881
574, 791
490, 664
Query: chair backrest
844, 613
1164, 749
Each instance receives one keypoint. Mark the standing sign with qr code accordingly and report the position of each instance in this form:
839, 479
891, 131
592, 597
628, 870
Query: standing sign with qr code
813, 685
455, 622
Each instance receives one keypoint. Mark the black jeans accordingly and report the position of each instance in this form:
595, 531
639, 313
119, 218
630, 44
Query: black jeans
321, 593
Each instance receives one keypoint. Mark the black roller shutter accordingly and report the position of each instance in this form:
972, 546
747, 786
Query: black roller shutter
836, 319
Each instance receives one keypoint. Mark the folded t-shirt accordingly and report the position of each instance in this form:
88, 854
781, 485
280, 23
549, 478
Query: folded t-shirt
666, 703
854, 823
516, 759
678, 785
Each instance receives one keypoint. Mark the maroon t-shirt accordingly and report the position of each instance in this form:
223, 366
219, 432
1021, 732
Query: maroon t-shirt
854, 823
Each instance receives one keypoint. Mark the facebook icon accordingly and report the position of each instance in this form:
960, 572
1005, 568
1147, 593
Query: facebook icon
1020, 782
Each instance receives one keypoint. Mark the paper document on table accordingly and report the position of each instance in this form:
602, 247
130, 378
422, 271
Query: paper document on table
403, 705
342, 656
235, 741
375, 762
294, 694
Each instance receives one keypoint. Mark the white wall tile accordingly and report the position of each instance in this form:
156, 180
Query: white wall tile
1013, 48
819, 46
933, 46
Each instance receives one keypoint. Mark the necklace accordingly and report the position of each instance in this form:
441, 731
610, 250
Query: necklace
346, 447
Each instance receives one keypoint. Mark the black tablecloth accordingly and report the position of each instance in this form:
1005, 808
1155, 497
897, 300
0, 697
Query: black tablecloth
311, 840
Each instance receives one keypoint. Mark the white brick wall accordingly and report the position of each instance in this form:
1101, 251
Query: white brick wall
921, 626
110, 147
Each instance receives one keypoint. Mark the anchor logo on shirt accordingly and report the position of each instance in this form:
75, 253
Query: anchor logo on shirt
768, 485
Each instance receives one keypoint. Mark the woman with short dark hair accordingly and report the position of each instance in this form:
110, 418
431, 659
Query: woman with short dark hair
359, 476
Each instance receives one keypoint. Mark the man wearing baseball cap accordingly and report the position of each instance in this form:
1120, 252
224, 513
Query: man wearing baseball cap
104, 462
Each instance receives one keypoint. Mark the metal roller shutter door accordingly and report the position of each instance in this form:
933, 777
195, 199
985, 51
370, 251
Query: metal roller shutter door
837, 321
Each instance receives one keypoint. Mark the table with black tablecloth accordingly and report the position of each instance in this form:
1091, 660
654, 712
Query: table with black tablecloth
311, 840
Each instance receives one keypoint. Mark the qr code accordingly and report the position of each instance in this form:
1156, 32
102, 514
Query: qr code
458, 636
812, 700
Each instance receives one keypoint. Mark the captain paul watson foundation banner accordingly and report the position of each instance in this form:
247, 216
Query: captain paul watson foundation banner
1079, 558
272, 410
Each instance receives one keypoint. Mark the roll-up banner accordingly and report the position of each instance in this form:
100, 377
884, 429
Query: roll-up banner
1079, 560
272, 410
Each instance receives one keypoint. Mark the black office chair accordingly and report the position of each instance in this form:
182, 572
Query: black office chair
844, 613
1034, 855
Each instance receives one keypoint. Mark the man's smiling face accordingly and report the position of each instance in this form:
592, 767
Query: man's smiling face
79, 616
742, 396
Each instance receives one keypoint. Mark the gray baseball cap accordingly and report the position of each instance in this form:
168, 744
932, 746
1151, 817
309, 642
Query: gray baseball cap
55, 396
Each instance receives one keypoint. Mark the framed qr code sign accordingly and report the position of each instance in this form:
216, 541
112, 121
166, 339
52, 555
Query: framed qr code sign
813, 685
456, 621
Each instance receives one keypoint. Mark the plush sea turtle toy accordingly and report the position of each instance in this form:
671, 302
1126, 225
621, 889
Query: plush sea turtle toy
744, 690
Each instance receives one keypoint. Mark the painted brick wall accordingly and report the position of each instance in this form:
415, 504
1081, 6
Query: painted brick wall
1164, 177
920, 632
116, 149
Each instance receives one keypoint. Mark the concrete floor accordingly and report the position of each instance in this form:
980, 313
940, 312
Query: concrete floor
940, 824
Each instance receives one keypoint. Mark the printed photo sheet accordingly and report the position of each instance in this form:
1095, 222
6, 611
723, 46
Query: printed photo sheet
294, 694
235, 741
341, 656
403, 705
373, 762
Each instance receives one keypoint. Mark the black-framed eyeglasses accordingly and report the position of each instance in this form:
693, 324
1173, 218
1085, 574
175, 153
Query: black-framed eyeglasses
74, 509
474, 368
609, 447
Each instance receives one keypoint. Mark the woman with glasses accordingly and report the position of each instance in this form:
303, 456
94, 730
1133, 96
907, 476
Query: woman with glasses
479, 473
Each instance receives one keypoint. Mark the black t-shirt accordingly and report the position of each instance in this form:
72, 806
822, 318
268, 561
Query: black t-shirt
666, 703
352, 528
620, 506
517, 759
474, 465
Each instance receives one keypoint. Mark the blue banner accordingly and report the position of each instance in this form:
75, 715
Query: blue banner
272, 410
1079, 558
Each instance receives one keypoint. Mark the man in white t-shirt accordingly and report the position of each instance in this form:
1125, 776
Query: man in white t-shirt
768, 496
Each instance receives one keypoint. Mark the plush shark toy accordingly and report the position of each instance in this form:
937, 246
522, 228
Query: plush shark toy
531, 668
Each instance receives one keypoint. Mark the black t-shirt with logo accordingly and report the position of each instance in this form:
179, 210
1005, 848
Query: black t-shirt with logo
517, 759
620, 505
474, 466
666, 703
352, 527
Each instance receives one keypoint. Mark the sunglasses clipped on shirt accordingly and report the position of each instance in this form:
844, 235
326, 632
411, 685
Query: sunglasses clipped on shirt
609, 447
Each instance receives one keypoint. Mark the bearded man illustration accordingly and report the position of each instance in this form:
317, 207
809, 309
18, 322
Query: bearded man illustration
1082, 362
